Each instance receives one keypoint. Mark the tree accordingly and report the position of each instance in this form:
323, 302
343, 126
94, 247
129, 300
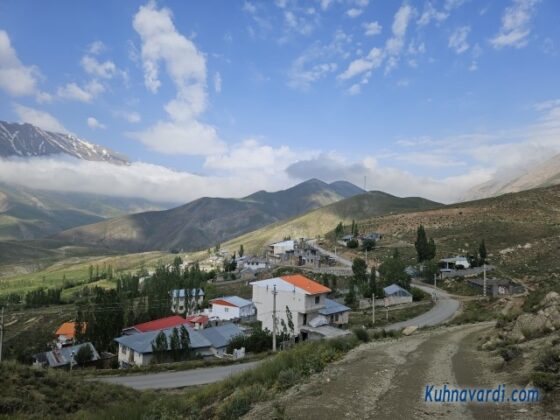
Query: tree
90, 272
339, 230
392, 271
185, 341
421, 244
352, 244
374, 287
482, 252
160, 346
241, 251
350, 298
290, 320
79, 327
177, 261
430, 270
431, 249
217, 248
368, 244
175, 344
84, 355
359, 269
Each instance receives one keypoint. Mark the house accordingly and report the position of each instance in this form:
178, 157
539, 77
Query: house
335, 313
232, 307
137, 350
155, 325
256, 264
62, 357
347, 238
66, 333
296, 295
279, 248
497, 287
373, 236
186, 300
198, 322
455, 263
394, 295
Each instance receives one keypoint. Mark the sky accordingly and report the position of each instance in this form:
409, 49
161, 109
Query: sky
224, 98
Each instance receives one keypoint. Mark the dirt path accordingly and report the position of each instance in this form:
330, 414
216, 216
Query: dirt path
387, 380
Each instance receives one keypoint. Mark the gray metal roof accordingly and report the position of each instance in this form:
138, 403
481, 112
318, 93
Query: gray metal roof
221, 335
395, 289
63, 356
216, 337
333, 307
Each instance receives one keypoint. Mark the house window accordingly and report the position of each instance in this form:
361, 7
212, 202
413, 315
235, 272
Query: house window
226, 309
123, 349
304, 319
317, 299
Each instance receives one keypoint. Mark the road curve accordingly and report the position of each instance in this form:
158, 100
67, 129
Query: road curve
166, 380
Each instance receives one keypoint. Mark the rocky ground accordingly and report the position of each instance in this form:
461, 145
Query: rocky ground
387, 379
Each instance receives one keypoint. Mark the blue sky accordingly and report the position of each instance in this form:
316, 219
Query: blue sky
227, 97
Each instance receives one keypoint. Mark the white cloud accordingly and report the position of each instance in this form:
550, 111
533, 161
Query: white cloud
372, 28
130, 116
217, 82
318, 61
96, 47
458, 39
17, 79
354, 12
39, 118
516, 24
186, 66
105, 70
430, 13
86, 93
373, 60
94, 124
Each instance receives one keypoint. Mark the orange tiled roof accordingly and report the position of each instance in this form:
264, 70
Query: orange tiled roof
68, 329
310, 286
222, 302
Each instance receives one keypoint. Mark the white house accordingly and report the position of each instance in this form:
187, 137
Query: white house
232, 307
455, 263
186, 300
256, 264
136, 349
296, 295
279, 248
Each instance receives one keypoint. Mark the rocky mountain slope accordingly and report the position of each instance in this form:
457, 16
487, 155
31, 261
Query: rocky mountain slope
536, 176
26, 140
207, 221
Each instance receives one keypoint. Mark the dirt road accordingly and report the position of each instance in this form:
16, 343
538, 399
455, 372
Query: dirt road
387, 380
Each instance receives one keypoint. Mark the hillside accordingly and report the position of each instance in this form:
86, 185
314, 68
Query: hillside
26, 140
31, 214
545, 174
207, 221
323, 220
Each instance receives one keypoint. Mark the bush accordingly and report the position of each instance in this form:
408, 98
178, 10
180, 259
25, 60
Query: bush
545, 381
510, 352
549, 362
361, 334
418, 294
288, 378
352, 244
84, 355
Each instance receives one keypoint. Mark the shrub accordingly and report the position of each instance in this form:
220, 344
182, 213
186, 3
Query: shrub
545, 381
510, 352
418, 294
84, 355
288, 378
352, 244
549, 361
361, 334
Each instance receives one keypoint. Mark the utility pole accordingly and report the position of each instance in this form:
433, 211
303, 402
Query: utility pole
1, 333
435, 280
484, 282
274, 293
373, 308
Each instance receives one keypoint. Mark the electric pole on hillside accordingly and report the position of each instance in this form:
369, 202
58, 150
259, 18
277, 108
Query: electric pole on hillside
435, 280
373, 308
484, 281
274, 293
1, 333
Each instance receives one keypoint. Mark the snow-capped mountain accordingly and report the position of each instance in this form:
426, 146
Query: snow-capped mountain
26, 140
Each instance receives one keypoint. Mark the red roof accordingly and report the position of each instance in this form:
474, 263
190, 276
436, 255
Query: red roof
310, 286
161, 324
222, 302
68, 329
197, 319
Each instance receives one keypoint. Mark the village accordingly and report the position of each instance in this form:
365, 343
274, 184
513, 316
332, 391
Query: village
294, 291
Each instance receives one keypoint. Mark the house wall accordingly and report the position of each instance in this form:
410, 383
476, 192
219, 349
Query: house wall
225, 312
129, 357
393, 300
339, 319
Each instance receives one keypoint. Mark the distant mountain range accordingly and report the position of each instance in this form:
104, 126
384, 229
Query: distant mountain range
544, 174
31, 214
26, 140
207, 221
323, 220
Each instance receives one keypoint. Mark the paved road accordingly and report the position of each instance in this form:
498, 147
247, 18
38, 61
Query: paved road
178, 379
443, 310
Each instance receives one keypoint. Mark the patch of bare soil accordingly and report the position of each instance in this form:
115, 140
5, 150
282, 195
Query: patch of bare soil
387, 380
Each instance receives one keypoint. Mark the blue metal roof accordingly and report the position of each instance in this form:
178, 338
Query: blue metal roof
333, 307
63, 356
395, 289
216, 337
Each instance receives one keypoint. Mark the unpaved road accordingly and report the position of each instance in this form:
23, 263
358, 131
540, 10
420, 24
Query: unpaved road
387, 380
